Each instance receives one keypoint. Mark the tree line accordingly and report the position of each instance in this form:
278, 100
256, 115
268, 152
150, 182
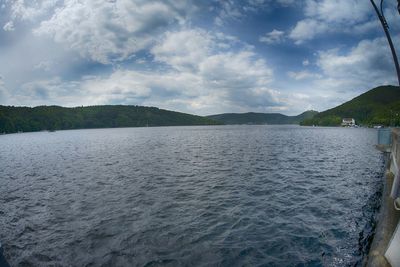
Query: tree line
29, 119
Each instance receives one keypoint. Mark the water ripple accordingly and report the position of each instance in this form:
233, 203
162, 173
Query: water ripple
183, 196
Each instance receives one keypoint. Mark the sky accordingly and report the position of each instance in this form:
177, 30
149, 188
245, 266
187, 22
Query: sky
201, 57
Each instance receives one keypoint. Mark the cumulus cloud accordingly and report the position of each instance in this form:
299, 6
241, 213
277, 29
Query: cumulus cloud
370, 62
199, 77
121, 85
228, 10
9, 26
192, 69
240, 77
159, 57
307, 29
109, 31
30, 10
344, 16
184, 50
243, 79
273, 37
343, 74
346, 74
338, 11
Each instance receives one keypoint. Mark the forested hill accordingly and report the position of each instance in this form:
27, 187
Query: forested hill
379, 106
261, 118
26, 119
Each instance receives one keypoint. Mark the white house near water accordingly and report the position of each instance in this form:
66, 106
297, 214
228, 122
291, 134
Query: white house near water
348, 122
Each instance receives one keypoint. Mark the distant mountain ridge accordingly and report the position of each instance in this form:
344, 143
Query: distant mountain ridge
378, 106
27, 119
261, 118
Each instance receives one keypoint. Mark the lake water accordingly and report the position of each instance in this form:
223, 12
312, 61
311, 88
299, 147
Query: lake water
189, 196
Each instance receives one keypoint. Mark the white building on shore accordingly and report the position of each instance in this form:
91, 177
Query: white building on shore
350, 122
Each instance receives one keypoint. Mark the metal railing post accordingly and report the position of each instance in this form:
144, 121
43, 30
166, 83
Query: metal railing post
386, 29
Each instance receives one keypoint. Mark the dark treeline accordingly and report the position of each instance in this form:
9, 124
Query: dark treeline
262, 118
26, 119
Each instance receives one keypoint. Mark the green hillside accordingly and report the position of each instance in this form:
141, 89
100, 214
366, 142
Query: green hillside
261, 118
379, 106
26, 119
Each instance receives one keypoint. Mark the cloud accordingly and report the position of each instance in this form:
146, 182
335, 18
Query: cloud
53, 91
307, 29
369, 62
184, 50
338, 16
9, 26
151, 52
346, 74
198, 76
3, 90
111, 31
30, 10
240, 78
228, 10
305, 62
124, 86
338, 11
273, 37
45, 65
201, 76
302, 75
343, 74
